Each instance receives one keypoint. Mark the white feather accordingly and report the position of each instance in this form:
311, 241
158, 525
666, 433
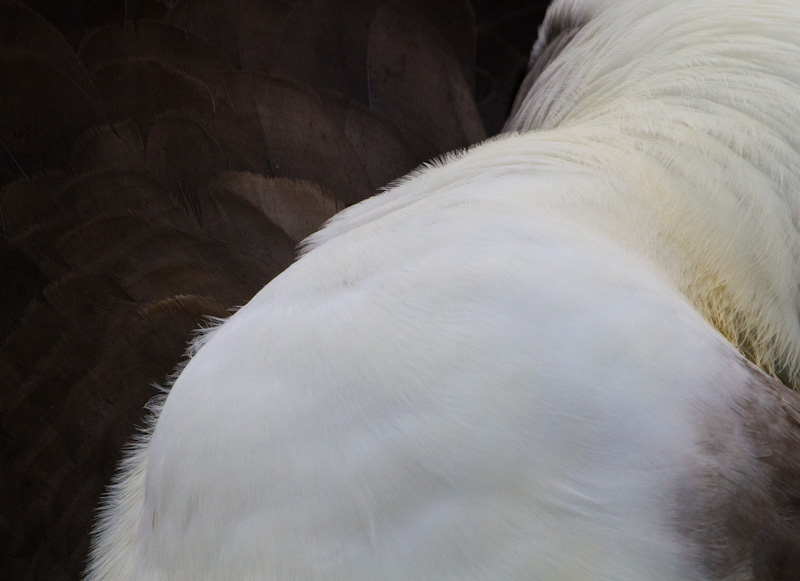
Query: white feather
694, 107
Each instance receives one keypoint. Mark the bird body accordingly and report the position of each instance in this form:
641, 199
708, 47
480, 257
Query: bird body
446, 415
519, 362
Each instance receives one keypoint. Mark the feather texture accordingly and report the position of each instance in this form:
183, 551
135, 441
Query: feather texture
520, 361
527, 359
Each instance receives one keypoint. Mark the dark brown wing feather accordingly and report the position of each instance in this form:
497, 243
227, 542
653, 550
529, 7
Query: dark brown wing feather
160, 169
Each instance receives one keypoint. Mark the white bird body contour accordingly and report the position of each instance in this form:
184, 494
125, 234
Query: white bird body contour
504, 367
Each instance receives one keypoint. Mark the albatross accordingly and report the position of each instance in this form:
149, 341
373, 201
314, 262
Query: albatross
564, 354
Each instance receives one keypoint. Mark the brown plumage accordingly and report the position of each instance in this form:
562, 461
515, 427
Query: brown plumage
159, 166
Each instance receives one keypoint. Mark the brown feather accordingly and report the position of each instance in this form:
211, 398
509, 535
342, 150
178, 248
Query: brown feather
245, 32
141, 89
298, 208
117, 146
414, 75
149, 39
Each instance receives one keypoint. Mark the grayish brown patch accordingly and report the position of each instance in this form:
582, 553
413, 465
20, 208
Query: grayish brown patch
739, 506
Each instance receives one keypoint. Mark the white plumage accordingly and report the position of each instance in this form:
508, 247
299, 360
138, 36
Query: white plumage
694, 108
506, 366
